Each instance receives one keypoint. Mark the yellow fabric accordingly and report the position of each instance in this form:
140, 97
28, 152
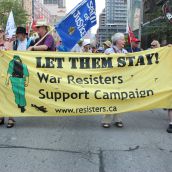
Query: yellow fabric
90, 84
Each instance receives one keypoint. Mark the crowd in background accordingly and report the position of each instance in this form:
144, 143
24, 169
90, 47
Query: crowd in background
44, 41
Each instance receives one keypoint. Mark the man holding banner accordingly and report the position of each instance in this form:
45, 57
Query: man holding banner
46, 40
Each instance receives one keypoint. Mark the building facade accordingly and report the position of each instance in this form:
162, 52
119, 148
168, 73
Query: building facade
101, 35
116, 12
40, 12
60, 3
56, 8
28, 7
112, 20
51, 10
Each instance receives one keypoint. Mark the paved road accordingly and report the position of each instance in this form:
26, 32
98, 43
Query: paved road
79, 144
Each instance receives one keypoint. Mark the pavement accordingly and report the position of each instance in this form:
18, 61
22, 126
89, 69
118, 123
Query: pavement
80, 144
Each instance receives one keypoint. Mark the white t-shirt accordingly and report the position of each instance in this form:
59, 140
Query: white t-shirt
111, 50
22, 45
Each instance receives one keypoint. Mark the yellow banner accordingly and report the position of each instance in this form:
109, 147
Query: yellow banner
68, 84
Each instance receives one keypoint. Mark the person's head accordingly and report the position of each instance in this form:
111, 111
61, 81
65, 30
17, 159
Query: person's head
135, 43
42, 27
14, 38
42, 30
21, 33
107, 45
86, 46
118, 39
155, 44
93, 48
2, 33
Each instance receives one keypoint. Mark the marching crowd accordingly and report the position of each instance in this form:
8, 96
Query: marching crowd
44, 41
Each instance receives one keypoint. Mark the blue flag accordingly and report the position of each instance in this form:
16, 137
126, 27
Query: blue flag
76, 24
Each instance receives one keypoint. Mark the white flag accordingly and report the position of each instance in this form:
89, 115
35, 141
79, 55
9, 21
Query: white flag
10, 27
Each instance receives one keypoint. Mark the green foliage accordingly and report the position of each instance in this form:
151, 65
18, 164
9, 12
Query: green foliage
157, 28
20, 15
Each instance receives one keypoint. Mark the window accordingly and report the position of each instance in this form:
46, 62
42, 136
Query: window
50, 1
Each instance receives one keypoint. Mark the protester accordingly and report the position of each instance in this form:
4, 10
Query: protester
4, 45
118, 41
134, 46
19, 43
9, 42
155, 44
169, 129
86, 46
2, 39
93, 48
77, 47
22, 42
107, 44
5, 42
46, 41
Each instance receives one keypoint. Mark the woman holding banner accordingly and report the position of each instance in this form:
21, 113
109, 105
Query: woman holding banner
118, 41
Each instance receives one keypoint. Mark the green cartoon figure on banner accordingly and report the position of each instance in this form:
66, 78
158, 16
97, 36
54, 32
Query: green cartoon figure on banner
19, 76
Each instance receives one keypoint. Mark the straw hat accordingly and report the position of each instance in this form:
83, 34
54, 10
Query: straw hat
41, 22
107, 43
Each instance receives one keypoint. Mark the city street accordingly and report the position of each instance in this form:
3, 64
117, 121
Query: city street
79, 144
60, 58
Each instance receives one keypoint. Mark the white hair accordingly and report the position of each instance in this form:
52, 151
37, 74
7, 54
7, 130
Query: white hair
117, 36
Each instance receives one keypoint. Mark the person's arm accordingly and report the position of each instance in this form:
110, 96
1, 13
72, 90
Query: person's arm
38, 48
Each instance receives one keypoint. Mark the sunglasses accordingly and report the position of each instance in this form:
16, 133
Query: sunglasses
1, 31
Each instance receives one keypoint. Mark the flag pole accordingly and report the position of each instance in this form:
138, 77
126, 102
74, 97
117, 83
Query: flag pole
129, 34
130, 44
30, 27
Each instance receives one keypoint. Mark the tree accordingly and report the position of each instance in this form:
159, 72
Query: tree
159, 29
20, 15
